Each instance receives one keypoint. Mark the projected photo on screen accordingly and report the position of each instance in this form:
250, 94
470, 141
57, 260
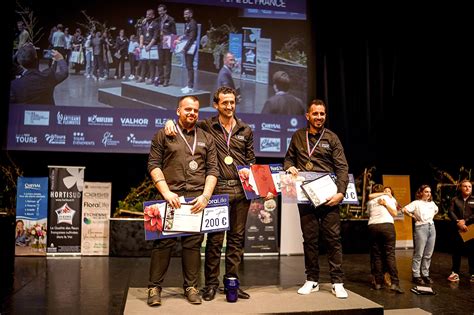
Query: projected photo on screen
82, 82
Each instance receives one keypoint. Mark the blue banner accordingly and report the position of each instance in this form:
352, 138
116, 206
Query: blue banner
31, 216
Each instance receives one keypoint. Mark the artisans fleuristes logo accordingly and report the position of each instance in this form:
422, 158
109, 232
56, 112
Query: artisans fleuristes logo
64, 119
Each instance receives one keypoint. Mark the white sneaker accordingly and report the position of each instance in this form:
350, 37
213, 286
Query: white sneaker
185, 89
308, 287
131, 77
339, 291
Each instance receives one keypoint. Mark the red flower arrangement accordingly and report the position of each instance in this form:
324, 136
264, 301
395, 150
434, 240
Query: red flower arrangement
153, 218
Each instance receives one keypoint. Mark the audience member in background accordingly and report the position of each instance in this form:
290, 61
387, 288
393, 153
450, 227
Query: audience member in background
422, 210
382, 207
282, 102
35, 86
133, 55
121, 48
461, 213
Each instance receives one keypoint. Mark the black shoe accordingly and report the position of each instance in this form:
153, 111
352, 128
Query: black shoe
192, 295
154, 296
396, 288
209, 293
166, 83
243, 295
418, 281
427, 280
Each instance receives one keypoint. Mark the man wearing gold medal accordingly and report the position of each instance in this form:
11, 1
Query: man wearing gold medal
186, 166
318, 149
234, 142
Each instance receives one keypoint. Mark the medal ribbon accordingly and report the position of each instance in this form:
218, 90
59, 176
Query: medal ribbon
227, 140
310, 152
187, 144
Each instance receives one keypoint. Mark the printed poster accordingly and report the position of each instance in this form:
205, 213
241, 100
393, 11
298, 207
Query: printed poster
249, 52
31, 216
66, 184
96, 202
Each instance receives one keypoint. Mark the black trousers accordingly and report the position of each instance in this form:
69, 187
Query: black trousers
238, 211
458, 247
188, 60
191, 256
382, 252
164, 65
324, 220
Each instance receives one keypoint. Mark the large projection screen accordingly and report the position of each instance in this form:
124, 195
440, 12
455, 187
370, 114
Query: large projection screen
120, 115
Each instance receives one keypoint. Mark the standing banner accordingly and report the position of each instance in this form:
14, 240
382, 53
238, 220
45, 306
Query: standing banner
261, 230
235, 47
264, 53
96, 201
249, 52
65, 200
31, 216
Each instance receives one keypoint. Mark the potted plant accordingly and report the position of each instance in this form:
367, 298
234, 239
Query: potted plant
214, 44
9, 173
127, 234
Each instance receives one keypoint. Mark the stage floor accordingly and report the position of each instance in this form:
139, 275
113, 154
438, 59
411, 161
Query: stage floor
101, 285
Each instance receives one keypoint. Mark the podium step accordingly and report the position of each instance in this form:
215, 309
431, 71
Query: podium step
113, 97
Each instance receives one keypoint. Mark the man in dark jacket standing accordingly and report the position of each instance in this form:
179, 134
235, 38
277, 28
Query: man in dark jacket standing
167, 28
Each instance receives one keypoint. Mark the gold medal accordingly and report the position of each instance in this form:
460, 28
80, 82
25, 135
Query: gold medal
309, 166
228, 160
193, 165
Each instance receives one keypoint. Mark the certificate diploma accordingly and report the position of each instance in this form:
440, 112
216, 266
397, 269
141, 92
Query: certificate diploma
182, 220
320, 189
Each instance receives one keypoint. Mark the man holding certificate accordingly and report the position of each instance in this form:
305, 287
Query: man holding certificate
234, 142
318, 149
182, 166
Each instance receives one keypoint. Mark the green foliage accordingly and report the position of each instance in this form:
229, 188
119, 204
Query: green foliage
293, 52
446, 188
9, 173
133, 201
216, 41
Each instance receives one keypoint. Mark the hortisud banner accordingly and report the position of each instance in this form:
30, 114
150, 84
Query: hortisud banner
66, 184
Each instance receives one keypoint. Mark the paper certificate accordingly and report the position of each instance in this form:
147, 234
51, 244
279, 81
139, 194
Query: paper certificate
180, 47
320, 189
151, 54
182, 220
466, 236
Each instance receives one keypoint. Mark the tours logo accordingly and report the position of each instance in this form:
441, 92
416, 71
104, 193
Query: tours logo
53, 138
36, 118
26, 138
79, 138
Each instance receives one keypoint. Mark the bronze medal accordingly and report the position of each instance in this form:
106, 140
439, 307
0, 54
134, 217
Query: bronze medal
309, 166
228, 160
193, 165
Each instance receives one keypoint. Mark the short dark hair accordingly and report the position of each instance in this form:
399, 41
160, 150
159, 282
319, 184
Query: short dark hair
282, 80
26, 56
223, 90
316, 102
419, 192
163, 6
189, 9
